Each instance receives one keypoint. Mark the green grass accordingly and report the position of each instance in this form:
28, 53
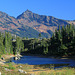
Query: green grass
14, 70
64, 71
10, 66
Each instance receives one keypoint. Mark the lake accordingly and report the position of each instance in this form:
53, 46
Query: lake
35, 60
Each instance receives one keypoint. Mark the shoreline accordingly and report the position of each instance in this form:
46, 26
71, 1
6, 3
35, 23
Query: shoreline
8, 57
55, 57
33, 69
5, 58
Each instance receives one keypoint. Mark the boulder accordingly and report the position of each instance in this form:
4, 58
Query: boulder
0, 73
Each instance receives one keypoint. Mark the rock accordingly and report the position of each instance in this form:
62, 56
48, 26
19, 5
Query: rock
7, 69
25, 72
0, 73
32, 74
21, 71
20, 66
2, 58
17, 58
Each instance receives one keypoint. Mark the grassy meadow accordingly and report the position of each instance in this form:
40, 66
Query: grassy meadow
13, 69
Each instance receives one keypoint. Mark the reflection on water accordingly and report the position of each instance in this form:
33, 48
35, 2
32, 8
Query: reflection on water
34, 60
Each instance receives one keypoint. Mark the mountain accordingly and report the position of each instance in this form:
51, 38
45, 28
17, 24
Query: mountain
71, 22
11, 24
41, 23
30, 24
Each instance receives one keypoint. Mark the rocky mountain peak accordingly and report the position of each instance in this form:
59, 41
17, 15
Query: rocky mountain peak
25, 14
28, 11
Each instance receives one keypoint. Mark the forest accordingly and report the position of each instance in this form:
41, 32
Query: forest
61, 43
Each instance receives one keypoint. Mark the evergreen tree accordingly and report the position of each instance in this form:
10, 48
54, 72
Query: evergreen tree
1, 44
6, 43
19, 45
40, 35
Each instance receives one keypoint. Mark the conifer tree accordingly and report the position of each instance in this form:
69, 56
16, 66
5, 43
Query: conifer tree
6, 43
1, 44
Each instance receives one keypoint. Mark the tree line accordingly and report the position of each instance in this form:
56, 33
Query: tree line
10, 44
61, 43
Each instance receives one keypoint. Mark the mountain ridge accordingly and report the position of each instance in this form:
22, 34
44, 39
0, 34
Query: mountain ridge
36, 19
35, 23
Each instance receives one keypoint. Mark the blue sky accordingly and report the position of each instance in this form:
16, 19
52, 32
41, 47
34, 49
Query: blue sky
63, 9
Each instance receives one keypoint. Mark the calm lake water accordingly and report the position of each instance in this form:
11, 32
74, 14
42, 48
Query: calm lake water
34, 60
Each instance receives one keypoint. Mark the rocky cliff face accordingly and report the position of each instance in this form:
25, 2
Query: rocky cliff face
29, 24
